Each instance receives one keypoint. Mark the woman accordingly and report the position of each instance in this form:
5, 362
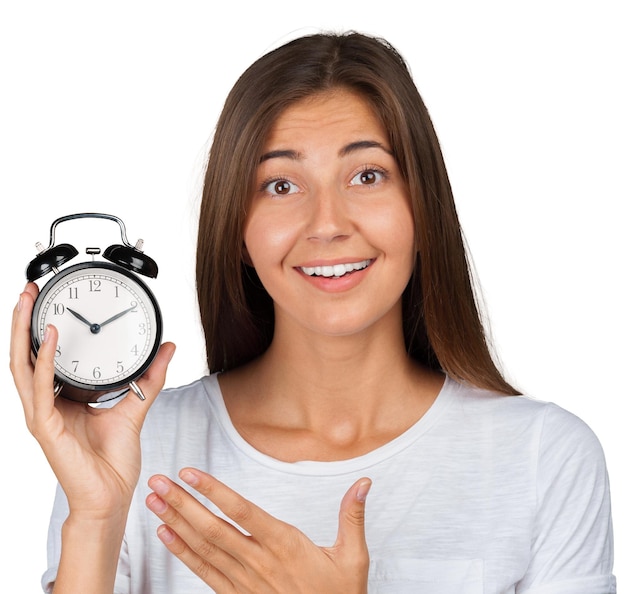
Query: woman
347, 354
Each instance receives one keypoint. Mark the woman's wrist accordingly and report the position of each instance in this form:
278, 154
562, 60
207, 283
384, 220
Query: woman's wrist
90, 549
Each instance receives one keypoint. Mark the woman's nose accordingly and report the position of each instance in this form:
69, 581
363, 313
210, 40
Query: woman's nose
328, 216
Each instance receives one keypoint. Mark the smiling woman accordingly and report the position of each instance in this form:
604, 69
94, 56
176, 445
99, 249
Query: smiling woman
372, 70
331, 221
347, 355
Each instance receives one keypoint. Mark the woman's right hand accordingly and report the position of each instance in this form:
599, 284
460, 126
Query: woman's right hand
94, 452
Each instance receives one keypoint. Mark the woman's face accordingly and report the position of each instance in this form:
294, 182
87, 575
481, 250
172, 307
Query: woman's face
329, 228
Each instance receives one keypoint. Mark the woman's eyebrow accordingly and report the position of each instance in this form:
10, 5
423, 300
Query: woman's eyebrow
278, 154
346, 150
362, 144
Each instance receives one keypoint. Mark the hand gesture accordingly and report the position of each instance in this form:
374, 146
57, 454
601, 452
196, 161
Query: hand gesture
95, 453
273, 557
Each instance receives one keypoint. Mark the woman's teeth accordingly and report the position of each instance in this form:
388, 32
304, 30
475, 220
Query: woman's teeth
336, 270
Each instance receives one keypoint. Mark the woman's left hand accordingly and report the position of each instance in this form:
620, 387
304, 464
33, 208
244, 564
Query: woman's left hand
274, 557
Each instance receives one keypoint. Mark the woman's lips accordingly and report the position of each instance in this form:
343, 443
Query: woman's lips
335, 278
335, 270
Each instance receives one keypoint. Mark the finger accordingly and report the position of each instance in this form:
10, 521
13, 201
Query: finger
351, 532
32, 289
43, 376
204, 570
195, 533
20, 349
42, 418
151, 383
244, 513
21, 362
190, 519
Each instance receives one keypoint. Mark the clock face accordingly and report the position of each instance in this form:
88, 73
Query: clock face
108, 321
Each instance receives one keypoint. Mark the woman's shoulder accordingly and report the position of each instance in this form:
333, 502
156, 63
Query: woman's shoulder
552, 423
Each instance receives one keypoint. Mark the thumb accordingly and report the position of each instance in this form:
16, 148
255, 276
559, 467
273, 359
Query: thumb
351, 533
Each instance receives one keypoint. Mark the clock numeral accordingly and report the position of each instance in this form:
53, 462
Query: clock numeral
120, 367
135, 350
73, 292
133, 304
142, 329
117, 292
97, 374
75, 364
58, 351
59, 309
94, 286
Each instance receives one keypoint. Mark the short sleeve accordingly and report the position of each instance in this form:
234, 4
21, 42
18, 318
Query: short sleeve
572, 544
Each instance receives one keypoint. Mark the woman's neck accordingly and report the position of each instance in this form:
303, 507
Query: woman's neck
312, 397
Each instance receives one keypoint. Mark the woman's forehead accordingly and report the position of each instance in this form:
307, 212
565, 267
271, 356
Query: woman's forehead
334, 114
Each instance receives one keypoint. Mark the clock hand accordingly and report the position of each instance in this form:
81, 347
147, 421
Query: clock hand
77, 315
95, 328
116, 316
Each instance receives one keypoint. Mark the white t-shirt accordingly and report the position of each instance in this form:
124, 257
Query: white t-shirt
485, 494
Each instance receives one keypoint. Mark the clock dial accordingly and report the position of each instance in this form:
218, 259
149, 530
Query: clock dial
108, 322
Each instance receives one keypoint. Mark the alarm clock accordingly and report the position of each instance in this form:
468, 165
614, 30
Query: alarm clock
108, 320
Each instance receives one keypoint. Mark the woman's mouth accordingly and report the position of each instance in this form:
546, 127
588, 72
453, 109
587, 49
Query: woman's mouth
336, 270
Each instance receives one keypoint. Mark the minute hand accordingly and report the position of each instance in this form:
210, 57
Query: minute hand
116, 316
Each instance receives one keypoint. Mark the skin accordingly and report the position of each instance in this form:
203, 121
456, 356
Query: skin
342, 201
335, 383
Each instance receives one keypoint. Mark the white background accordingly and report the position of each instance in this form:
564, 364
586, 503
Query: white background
109, 107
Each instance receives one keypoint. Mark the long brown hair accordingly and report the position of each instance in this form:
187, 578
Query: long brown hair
441, 320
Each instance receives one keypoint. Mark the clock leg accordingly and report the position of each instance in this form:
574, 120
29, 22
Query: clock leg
137, 390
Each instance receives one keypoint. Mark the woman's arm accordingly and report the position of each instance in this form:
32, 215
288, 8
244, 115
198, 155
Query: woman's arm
94, 453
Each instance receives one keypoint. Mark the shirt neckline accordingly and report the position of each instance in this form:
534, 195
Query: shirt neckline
324, 468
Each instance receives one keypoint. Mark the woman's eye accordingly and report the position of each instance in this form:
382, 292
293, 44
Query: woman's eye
367, 177
280, 187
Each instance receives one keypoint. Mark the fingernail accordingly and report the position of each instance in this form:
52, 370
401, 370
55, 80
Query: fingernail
165, 534
363, 490
189, 477
19, 303
159, 486
171, 355
46, 334
156, 504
